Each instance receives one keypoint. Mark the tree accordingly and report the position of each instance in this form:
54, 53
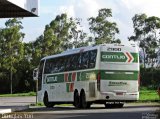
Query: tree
11, 45
146, 31
61, 34
103, 30
67, 32
36, 47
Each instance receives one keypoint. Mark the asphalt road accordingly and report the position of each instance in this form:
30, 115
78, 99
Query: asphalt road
129, 111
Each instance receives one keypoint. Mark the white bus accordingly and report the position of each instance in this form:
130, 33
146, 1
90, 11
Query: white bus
94, 74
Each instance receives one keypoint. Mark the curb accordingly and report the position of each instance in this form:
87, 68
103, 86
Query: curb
4, 109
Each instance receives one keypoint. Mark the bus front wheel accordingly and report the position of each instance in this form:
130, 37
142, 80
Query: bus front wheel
46, 102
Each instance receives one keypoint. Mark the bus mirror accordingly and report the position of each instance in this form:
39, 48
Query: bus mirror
35, 74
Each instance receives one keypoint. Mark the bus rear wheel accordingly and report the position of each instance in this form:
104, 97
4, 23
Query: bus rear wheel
46, 102
83, 103
120, 105
76, 99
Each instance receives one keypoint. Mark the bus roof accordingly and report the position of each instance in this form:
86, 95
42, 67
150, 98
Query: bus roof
72, 51
82, 49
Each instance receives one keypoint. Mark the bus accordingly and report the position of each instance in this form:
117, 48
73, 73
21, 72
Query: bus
104, 74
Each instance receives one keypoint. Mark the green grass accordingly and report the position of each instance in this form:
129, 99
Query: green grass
148, 95
38, 104
18, 94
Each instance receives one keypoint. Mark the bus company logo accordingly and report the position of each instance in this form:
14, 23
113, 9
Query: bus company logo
121, 57
117, 83
117, 57
51, 79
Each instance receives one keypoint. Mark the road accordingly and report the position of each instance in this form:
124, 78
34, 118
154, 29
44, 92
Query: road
129, 111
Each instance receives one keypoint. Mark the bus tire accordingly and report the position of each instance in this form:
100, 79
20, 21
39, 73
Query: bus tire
109, 105
76, 102
83, 103
119, 105
46, 102
88, 105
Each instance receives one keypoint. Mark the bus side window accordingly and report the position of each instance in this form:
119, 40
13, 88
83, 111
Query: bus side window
85, 60
60, 64
74, 61
46, 69
92, 60
52, 65
79, 61
68, 63
49, 66
55, 67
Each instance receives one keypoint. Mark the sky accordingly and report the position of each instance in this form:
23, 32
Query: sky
122, 11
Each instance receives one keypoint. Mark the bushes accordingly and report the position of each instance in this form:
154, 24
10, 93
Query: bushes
22, 79
150, 78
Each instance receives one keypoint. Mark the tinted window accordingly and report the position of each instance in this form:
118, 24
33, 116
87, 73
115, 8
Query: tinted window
92, 59
68, 62
50, 66
85, 60
60, 64
72, 62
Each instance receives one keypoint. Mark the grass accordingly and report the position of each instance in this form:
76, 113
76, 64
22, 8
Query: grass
18, 94
148, 95
38, 104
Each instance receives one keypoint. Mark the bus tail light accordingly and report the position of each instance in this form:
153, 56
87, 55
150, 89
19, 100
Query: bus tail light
98, 80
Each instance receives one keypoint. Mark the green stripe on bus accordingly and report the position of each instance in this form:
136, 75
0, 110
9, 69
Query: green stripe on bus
92, 75
57, 78
119, 75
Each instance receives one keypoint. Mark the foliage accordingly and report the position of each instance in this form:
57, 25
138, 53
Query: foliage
61, 34
103, 30
18, 94
150, 78
148, 95
147, 30
11, 48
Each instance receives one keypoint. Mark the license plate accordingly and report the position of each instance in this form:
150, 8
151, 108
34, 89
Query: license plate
119, 93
